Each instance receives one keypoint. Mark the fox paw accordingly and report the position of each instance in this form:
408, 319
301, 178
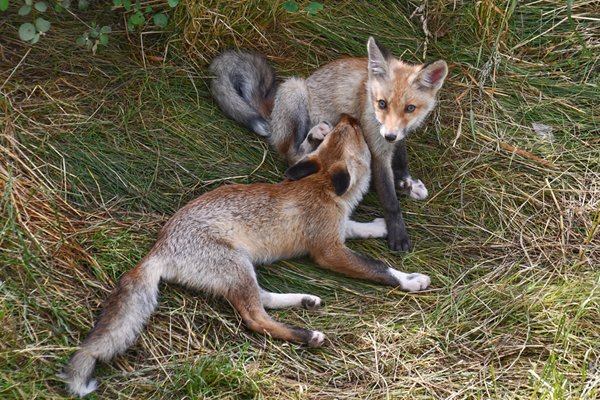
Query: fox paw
311, 302
411, 282
317, 339
415, 282
375, 229
413, 188
319, 131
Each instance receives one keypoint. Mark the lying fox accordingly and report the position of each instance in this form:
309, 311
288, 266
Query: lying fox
390, 98
214, 242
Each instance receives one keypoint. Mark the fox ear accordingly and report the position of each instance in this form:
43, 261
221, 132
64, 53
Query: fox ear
340, 177
431, 76
377, 58
302, 169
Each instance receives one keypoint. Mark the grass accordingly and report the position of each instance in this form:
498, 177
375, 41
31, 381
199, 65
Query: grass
98, 151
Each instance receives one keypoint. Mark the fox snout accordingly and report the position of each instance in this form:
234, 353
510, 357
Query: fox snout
392, 135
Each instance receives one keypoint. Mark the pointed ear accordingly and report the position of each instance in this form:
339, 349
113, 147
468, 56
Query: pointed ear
302, 169
340, 178
431, 76
377, 58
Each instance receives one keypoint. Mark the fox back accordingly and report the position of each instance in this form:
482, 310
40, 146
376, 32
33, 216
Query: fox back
273, 221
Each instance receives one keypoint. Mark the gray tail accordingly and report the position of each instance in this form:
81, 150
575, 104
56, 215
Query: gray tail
125, 313
244, 87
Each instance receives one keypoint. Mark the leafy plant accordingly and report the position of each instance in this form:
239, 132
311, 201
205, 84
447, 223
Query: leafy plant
312, 8
60, 5
31, 31
141, 15
92, 38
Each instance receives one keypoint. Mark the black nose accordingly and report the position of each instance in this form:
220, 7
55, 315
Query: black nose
390, 137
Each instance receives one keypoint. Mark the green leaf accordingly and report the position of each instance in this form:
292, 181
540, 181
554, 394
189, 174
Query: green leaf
84, 5
60, 6
94, 33
106, 29
24, 10
291, 6
3, 5
80, 41
117, 3
103, 39
27, 31
160, 19
127, 5
42, 25
137, 18
173, 3
41, 6
148, 10
29, 2
313, 7
36, 38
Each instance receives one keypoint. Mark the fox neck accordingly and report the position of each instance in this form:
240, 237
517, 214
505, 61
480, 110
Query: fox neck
358, 188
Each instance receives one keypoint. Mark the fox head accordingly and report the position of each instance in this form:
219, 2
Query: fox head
401, 94
341, 163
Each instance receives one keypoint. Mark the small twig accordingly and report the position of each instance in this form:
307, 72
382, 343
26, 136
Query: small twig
15, 68
526, 154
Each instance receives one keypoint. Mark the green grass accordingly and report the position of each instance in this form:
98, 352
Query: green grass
96, 152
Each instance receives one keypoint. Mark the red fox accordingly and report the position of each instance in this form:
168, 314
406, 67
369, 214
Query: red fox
214, 243
389, 97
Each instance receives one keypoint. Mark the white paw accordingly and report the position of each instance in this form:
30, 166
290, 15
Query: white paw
375, 229
366, 230
411, 282
311, 302
415, 282
413, 188
319, 131
379, 227
317, 339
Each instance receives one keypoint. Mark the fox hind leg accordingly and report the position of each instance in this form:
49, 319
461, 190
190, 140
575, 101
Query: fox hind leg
245, 297
315, 136
282, 300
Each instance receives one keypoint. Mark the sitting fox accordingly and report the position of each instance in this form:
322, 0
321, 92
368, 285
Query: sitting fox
390, 98
215, 241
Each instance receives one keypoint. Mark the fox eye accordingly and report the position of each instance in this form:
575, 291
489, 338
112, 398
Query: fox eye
382, 104
410, 108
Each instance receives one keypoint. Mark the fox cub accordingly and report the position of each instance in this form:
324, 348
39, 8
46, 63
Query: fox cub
389, 97
214, 242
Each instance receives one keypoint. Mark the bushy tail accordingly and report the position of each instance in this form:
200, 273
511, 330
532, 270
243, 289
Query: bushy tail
125, 313
244, 87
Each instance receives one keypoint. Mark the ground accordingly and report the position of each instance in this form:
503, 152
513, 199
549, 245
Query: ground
97, 151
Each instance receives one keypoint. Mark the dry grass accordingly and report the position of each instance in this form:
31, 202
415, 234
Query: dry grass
97, 152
